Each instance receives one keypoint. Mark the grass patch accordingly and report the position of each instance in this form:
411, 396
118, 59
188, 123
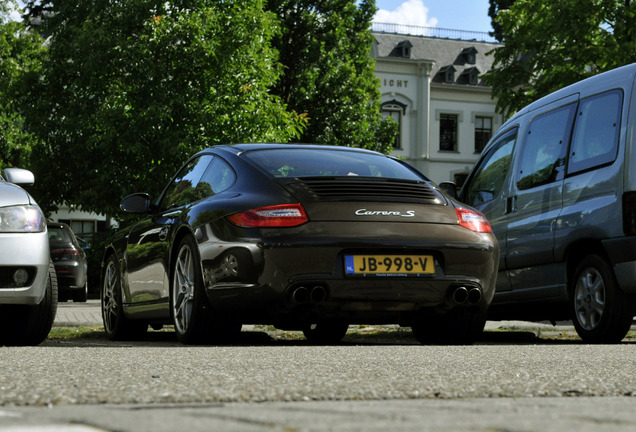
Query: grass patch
80, 332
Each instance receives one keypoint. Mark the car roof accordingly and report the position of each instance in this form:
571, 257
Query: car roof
610, 79
52, 224
237, 149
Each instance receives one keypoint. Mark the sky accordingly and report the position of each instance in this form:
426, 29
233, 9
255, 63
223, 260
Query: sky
471, 15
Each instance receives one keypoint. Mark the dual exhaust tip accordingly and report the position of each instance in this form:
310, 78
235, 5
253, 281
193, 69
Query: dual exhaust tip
461, 295
304, 295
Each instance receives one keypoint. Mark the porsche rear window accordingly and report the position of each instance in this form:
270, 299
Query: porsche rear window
295, 162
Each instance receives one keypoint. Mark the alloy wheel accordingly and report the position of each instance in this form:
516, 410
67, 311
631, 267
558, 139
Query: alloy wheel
110, 305
183, 292
589, 298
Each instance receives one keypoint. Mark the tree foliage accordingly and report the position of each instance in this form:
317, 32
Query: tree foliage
551, 44
328, 74
20, 55
131, 89
493, 12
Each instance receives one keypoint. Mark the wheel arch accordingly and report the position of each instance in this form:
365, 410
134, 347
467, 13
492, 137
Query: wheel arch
180, 234
108, 252
576, 252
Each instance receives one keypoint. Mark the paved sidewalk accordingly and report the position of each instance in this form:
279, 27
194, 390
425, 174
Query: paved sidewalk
71, 314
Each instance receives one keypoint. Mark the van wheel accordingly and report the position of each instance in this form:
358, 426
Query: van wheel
460, 326
601, 312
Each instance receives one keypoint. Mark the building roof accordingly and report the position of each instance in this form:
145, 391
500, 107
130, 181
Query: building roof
442, 52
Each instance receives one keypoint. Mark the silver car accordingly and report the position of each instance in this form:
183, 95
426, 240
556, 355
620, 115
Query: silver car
28, 284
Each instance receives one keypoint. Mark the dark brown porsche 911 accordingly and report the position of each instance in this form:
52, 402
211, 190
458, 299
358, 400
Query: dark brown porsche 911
310, 238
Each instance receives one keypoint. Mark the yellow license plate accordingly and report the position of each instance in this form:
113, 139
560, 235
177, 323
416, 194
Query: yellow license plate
389, 264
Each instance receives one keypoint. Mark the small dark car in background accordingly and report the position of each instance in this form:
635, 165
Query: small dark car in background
69, 260
310, 238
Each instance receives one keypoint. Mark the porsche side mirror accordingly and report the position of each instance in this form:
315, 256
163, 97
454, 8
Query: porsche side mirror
136, 203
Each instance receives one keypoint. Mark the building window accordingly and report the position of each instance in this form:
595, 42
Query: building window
447, 74
404, 49
469, 76
83, 228
395, 110
469, 55
483, 132
448, 132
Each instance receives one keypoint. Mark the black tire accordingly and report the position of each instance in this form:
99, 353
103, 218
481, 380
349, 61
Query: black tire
191, 311
460, 326
326, 332
601, 312
30, 325
117, 326
81, 295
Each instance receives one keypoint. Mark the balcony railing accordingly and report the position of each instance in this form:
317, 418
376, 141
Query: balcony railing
437, 32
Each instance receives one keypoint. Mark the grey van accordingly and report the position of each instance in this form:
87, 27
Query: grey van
558, 185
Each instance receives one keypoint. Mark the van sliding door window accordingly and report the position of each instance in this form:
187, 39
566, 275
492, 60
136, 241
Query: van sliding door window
488, 178
543, 154
596, 131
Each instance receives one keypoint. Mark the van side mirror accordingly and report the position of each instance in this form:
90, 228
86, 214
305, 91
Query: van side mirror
450, 188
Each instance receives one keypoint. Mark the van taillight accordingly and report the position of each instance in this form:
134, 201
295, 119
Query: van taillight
629, 213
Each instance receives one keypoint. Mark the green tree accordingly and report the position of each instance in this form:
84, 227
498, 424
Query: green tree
493, 12
131, 89
20, 58
550, 44
328, 72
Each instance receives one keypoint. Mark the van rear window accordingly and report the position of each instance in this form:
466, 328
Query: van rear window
596, 131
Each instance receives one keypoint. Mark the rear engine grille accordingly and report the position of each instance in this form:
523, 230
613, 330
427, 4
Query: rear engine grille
364, 189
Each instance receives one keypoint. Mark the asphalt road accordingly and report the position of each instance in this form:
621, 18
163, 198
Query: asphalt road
512, 381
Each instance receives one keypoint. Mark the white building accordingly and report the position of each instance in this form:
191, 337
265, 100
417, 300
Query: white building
433, 88
84, 224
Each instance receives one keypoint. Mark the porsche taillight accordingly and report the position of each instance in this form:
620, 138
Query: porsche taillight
284, 215
473, 220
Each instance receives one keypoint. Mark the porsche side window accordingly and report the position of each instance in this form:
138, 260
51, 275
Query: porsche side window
543, 154
186, 186
218, 177
489, 177
596, 131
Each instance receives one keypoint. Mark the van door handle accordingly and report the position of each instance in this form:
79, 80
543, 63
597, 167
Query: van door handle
511, 204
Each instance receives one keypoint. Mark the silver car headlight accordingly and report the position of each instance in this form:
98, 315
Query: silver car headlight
24, 218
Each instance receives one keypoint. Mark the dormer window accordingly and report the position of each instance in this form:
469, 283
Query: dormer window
447, 73
469, 55
469, 76
404, 49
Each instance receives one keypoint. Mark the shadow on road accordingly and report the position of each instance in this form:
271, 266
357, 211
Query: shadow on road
273, 337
